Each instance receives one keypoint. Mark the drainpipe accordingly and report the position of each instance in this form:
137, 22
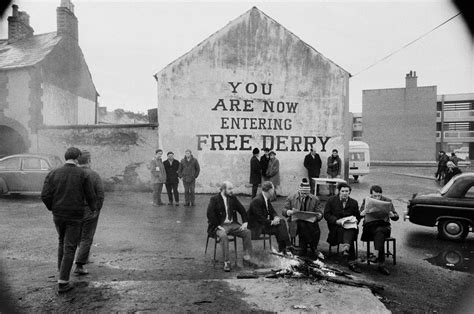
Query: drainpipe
442, 123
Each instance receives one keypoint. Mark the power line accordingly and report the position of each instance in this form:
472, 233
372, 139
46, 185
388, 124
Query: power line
406, 45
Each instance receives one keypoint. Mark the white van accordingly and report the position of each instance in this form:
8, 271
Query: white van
359, 159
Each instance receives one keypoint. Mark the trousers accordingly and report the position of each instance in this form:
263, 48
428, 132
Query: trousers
308, 234
69, 234
172, 189
88, 229
254, 190
280, 231
233, 229
157, 189
189, 191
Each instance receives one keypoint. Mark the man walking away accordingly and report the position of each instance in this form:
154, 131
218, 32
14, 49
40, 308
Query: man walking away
264, 160
158, 177
377, 229
66, 190
263, 218
91, 218
172, 180
255, 171
222, 218
442, 162
189, 171
312, 163
334, 168
307, 230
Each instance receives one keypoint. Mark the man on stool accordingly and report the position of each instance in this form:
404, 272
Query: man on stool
378, 230
222, 219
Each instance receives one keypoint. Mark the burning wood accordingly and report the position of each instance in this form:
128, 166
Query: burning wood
301, 267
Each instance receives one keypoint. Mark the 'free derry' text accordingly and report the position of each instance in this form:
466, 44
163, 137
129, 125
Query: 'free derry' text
241, 142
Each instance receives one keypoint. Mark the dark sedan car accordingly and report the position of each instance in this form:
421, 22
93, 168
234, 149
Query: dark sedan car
451, 209
25, 174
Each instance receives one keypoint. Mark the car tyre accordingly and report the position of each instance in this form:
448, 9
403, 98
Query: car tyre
453, 229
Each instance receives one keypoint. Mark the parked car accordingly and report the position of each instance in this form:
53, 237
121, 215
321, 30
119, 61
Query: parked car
359, 159
25, 174
451, 209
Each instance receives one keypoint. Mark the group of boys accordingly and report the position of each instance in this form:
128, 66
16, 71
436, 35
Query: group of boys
303, 212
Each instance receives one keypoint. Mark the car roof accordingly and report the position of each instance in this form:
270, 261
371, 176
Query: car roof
29, 155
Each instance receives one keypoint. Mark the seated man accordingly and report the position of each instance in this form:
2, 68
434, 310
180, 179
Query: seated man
306, 227
263, 218
222, 219
343, 216
377, 229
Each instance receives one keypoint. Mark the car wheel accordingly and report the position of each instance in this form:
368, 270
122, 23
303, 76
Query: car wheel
452, 229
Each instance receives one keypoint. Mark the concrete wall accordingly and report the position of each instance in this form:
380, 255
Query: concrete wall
222, 99
400, 123
120, 154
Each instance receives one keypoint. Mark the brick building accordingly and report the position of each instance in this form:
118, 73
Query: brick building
399, 123
44, 80
253, 84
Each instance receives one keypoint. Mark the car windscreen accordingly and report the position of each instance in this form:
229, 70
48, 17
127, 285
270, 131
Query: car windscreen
446, 188
357, 156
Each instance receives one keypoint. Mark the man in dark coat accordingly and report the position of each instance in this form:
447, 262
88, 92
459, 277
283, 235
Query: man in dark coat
334, 168
378, 230
264, 160
66, 191
263, 218
172, 180
343, 216
222, 219
442, 162
255, 171
91, 218
312, 163
189, 171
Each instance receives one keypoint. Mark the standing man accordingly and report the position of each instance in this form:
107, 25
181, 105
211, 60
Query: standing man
334, 168
172, 180
308, 231
273, 171
189, 171
158, 177
454, 159
222, 220
264, 160
442, 165
91, 218
255, 171
312, 163
376, 229
66, 190
263, 218
343, 216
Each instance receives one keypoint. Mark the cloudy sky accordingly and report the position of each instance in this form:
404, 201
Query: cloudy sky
126, 42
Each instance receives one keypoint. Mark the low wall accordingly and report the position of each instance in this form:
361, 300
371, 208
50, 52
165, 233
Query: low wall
120, 153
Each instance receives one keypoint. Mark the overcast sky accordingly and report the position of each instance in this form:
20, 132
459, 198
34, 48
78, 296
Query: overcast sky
126, 42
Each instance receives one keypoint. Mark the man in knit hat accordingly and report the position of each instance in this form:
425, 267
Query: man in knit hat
305, 226
91, 218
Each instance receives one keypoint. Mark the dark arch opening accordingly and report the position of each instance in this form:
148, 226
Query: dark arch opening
11, 142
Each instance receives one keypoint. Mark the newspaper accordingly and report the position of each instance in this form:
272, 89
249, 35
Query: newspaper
376, 209
306, 216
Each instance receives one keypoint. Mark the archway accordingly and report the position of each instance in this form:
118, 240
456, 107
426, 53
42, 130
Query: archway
11, 142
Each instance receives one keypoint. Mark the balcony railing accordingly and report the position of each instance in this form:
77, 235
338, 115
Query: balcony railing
451, 135
451, 116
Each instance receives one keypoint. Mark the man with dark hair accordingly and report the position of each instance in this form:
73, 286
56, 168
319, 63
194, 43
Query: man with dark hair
264, 160
158, 177
255, 172
312, 163
263, 218
172, 180
455, 159
91, 218
334, 168
343, 216
377, 229
189, 171
442, 162
222, 219
66, 190
307, 229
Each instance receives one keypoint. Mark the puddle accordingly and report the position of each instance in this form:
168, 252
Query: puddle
455, 259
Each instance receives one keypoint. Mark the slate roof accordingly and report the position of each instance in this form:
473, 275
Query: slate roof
27, 52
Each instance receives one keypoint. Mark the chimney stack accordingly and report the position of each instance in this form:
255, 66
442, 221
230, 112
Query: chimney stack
66, 20
19, 25
411, 79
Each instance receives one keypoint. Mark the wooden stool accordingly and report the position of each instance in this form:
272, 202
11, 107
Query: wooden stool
387, 250
216, 240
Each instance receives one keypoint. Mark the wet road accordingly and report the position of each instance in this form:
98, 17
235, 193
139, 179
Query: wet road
136, 241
